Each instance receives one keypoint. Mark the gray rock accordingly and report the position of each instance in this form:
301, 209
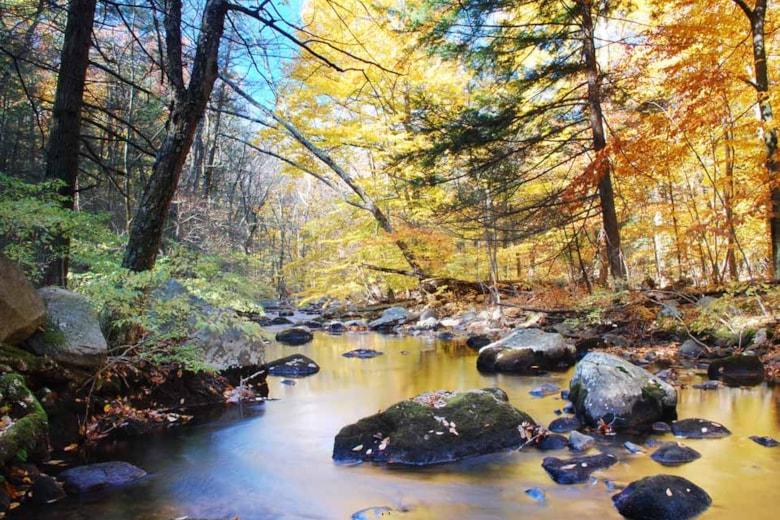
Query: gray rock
691, 349
390, 318
296, 365
72, 334
545, 390
22, 310
605, 386
632, 448
615, 340
580, 442
94, 477
553, 441
564, 424
527, 351
669, 309
427, 324
662, 497
294, 336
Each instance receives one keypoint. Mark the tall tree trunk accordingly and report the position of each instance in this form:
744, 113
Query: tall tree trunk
188, 107
757, 18
606, 193
62, 152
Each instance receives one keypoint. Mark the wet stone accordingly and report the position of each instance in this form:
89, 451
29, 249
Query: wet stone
767, 442
581, 442
544, 390
362, 353
93, 477
662, 497
553, 442
674, 454
661, 427
536, 494
564, 424
296, 365
577, 469
699, 429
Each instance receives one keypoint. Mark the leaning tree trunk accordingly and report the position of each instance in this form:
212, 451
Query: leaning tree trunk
606, 193
188, 107
757, 18
62, 149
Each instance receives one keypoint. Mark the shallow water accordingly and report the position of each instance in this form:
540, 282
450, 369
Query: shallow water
274, 460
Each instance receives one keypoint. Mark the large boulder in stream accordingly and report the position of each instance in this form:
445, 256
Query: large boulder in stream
664, 497
527, 351
21, 308
72, 333
435, 427
390, 319
745, 370
623, 395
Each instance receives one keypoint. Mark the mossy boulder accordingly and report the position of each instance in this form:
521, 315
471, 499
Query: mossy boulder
433, 428
527, 351
72, 333
21, 308
27, 429
745, 370
605, 387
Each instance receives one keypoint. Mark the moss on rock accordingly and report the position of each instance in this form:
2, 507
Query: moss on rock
28, 432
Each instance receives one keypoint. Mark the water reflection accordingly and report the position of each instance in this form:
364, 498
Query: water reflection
276, 464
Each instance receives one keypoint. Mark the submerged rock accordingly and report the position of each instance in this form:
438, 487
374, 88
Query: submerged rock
362, 353
281, 320
576, 469
633, 448
699, 429
661, 427
767, 442
674, 454
72, 334
478, 341
553, 441
662, 497
22, 310
296, 365
604, 385
434, 427
527, 351
93, 477
743, 370
545, 390
294, 336
536, 494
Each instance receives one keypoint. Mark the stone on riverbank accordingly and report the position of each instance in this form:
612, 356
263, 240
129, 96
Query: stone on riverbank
94, 477
22, 310
296, 365
605, 386
742, 370
576, 469
662, 497
434, 427
72, 332
294, 336
390, 319
527, 351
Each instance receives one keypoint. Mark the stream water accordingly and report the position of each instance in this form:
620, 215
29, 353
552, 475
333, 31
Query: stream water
274, 460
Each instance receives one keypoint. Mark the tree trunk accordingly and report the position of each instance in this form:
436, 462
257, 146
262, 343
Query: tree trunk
62, 152
606, 194
188, 107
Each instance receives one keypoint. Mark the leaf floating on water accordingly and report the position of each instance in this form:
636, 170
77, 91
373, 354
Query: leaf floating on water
369, 451
358, 447
569, 466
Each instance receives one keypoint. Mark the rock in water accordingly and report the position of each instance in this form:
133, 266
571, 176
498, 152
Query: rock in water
296, 365
294, 336
662, 497
362, 353
46, 490
371, 513
576, 469
72, 334
281, 320
767, 442
478, 341
580, 442
390, 319
434, 427
527, 351
674, 454
699, 429
93, 477
553, 441
564, 424
604, 385
545, 390
21, 308
737, 370
535, 493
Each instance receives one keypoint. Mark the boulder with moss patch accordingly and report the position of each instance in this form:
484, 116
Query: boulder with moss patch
609, 389
435, 427
26, 426
72, 333
21, 308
